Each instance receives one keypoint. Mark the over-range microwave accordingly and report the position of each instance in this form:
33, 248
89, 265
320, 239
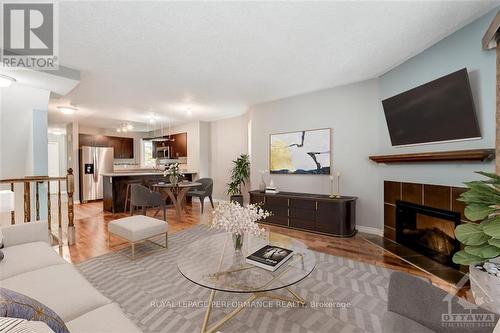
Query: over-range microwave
162, 152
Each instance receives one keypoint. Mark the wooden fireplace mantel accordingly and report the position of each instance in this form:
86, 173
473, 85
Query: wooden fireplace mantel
478, 155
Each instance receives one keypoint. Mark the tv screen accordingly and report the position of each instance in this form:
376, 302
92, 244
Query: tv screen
441, 110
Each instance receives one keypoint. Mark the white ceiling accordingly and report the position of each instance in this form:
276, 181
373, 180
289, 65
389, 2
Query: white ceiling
218, 58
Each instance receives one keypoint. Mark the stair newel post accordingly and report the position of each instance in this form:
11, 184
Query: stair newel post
70, 184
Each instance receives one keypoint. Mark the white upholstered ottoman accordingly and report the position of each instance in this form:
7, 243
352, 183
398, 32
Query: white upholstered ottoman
138, 228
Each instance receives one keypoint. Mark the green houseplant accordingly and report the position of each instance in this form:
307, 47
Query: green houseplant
481, 240
239, 176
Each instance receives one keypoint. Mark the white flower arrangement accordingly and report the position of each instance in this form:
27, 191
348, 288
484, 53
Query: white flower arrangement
173, 170
238, 220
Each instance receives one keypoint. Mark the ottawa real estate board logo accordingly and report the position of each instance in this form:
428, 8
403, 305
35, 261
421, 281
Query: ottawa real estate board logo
29, 35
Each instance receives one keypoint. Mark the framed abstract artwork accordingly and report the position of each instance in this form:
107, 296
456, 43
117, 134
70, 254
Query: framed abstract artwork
302, 152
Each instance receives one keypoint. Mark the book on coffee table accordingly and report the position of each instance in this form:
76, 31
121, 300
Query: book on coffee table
269, 257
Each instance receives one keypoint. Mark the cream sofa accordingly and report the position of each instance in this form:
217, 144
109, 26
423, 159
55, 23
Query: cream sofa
33, 268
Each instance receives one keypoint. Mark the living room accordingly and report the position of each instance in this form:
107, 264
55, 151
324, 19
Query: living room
249, 125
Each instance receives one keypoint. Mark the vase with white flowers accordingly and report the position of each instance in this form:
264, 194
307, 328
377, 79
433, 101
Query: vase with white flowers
239, 221
173, 171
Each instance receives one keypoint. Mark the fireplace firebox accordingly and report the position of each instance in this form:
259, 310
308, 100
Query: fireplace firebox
429, 231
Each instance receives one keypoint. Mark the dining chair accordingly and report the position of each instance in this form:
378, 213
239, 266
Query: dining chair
203, 191
141, 196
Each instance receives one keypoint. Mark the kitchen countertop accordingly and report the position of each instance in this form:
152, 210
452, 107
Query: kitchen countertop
132, 173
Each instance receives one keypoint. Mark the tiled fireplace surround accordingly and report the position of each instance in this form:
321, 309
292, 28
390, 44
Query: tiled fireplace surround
435, 196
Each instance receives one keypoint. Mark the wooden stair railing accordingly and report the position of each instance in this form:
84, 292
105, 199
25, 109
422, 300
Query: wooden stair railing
37, 180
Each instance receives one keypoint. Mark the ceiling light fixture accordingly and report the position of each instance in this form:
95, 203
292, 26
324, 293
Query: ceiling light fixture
57, 132
125, 127
189, 112
68, 110
6, 81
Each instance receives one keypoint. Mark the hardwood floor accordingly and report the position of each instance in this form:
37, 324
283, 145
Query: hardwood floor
91, 240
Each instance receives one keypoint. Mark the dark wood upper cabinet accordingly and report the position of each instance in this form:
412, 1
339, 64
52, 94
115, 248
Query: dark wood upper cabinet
85, 140
178, 145
123, 147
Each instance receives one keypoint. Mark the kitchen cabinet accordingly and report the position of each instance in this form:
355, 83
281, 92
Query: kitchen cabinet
123, 147
177, 144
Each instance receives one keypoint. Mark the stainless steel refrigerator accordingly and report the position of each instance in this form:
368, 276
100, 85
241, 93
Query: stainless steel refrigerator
94, 161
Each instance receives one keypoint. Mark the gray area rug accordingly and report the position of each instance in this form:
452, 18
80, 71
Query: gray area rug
342, 295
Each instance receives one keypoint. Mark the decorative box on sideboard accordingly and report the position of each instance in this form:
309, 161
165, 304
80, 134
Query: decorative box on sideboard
309, 212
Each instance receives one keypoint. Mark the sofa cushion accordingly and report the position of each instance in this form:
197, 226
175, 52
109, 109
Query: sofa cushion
395, 323
106, 319
61, 288
27, 257
17, 305
138, 227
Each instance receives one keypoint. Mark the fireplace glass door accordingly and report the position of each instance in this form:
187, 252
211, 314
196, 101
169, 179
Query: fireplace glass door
428, 231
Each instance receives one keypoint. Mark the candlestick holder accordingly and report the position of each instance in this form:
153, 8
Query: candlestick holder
337, 193
332, 193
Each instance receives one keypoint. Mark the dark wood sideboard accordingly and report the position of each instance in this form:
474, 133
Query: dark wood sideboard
310, 212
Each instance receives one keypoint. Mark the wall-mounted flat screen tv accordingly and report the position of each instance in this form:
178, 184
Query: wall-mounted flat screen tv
440, 110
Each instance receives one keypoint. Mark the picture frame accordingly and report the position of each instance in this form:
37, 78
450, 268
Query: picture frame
305, 152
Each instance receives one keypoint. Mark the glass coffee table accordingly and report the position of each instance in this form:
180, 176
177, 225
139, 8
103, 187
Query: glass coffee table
213, 263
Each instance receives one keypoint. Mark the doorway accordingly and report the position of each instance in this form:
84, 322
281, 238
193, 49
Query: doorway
53, 165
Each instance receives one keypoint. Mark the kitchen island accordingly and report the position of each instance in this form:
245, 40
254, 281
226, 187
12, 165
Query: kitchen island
115, 186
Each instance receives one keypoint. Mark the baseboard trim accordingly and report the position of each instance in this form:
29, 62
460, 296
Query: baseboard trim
370, 230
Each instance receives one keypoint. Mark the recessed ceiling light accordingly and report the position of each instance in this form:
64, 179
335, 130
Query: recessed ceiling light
67, 109
118, 130
57, 132
6, 81
189, 112
130, 127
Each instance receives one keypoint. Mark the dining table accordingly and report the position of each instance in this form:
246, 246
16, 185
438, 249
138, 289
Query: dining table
176, 193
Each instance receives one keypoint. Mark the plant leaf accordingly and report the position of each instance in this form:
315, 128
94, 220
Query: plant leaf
485, 251
464, 258
476, 212
471, 234
488, 221
494, 242
493, 176
492, 229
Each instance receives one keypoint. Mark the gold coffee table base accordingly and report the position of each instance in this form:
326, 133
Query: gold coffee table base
205, 329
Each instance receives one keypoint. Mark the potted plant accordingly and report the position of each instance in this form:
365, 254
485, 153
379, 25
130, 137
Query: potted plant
481, 240
239, 175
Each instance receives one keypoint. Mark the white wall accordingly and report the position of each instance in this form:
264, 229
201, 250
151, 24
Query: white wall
20, 106
205, 149
352, 113
228, 140
61, 142
459, 50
